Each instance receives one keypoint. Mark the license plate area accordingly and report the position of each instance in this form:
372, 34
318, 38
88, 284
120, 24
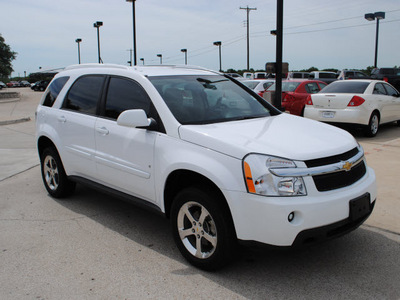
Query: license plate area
328, 114
360, 207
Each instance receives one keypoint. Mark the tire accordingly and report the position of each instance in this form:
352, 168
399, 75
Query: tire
202, 228
373, 126
53, 174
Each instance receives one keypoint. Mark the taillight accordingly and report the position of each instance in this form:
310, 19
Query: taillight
385, 79
309, 100
356, 101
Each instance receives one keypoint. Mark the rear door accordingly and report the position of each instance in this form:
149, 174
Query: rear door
75, 125
124, 155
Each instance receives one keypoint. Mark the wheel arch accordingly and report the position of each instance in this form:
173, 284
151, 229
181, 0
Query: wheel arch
180, 179
43, 143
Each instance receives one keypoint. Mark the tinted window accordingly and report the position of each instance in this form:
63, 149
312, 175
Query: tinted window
312, 88
379, 89
327, 75
390, 90
360, 75
124, 94
84, 94
54, 90
352, 87
208, 99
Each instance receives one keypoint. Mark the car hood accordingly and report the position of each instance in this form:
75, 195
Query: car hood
284, 135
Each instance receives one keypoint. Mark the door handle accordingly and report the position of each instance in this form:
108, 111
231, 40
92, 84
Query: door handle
62, 119
102, 130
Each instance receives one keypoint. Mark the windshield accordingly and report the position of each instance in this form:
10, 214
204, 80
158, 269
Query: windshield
286, 86
347, 86
198, 99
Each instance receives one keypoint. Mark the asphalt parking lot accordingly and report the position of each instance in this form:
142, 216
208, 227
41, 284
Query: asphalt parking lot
91, 246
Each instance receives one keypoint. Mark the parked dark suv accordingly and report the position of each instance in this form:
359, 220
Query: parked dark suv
40, 85
390, 75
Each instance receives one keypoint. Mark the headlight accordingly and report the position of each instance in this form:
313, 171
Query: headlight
259, 179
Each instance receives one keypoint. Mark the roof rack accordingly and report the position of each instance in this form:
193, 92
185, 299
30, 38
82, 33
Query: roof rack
95, 65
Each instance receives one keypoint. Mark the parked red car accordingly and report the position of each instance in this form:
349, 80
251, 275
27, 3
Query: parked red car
295, 93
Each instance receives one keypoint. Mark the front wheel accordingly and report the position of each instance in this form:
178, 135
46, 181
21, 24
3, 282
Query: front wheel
202, 228
372, 128
54, 178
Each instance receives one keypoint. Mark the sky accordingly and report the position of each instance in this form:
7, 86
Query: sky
318, 33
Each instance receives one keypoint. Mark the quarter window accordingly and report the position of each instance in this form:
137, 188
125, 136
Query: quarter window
54, 89
84, 94
124, 94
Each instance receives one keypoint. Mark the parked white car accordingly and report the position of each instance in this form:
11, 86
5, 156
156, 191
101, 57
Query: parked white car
259, 86
197, 147
366, 103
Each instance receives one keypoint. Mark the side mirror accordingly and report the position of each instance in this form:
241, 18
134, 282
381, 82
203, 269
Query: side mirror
134, 118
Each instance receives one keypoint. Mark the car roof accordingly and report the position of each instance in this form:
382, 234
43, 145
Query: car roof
152, 70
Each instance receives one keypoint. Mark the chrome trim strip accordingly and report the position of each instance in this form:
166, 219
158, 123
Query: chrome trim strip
332, 168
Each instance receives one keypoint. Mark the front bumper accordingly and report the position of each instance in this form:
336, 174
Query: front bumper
317, 216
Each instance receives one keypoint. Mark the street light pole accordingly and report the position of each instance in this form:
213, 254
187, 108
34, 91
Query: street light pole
219, 43
185, 51
97, 25
248, 9
370, 17
79, 50
160, 56
279, 46
142, 59
134, 30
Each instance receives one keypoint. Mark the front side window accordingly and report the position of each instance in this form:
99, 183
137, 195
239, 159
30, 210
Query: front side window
205, 99
124, 94
390, 90
84, 94
54, 89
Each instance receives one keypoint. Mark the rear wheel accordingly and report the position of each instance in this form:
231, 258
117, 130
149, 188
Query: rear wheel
202, 228
54, 178
372, 128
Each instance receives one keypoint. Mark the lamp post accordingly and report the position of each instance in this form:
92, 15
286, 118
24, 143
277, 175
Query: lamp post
79, 50
277, 102
219, 43
185, 51
160, 56
97, 25
142, 59
370, 17
134, 30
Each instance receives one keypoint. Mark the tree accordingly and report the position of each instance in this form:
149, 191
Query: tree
6, 57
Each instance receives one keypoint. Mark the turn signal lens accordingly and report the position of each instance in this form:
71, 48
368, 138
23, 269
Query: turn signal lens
309, 100
356, 101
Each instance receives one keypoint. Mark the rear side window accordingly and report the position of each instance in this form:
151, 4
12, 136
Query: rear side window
327, 75
124, 94
54, 89
84, 94
312, 88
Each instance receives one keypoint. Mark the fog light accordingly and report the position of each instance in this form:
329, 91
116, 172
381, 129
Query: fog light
291, 216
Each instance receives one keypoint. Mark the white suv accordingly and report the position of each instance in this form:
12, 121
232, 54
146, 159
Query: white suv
207, 152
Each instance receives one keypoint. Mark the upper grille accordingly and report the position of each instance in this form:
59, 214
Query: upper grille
331, 159
337, 180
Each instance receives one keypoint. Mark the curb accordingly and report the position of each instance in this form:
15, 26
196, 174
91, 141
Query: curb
8, 122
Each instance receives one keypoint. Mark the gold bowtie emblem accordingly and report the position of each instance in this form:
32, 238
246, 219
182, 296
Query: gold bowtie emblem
347, 166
